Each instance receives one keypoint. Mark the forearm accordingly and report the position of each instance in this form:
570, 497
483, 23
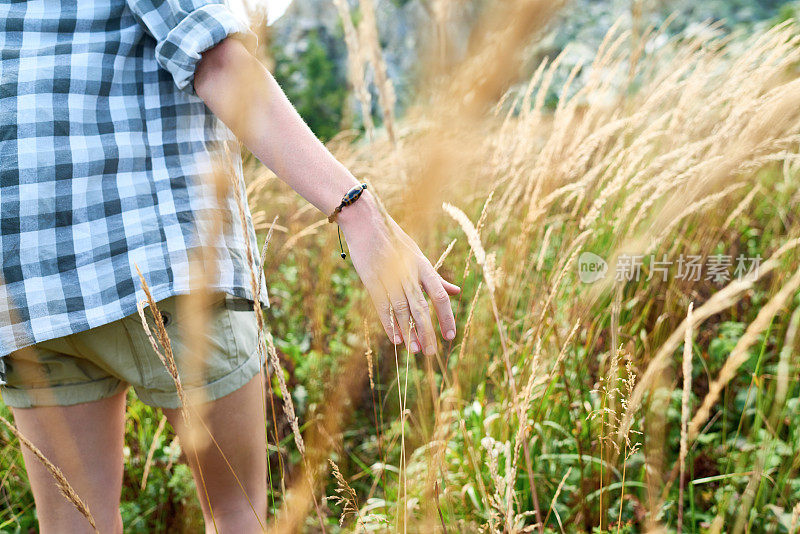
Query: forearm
246, 97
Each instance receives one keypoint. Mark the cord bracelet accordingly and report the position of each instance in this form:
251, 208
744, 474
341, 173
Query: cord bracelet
349, 198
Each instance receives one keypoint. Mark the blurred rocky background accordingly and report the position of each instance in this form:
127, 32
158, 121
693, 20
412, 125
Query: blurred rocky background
307, 44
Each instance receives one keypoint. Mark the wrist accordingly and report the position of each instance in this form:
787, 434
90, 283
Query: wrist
363, 211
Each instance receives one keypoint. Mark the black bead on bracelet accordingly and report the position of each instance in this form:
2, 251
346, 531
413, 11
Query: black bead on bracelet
349, 198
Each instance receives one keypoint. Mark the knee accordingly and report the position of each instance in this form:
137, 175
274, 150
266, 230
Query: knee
235, 512
66, 518
238, 518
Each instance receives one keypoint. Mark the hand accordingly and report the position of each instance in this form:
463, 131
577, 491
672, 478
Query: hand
395, 273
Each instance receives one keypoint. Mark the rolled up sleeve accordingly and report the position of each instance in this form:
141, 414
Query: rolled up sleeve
184, 29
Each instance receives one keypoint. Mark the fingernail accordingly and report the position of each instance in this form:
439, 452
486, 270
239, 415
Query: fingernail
449, 335
430, 350
414, 346
398, 340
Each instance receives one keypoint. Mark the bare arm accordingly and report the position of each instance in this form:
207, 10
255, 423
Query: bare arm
245, 96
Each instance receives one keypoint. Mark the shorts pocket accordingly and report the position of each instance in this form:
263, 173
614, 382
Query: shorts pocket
203, 353
244, 328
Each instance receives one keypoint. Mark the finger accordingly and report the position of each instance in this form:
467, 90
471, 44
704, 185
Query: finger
434, 287
402, 314
381, 301
397, 329
422, 315
408, 332
414, 336
451, 289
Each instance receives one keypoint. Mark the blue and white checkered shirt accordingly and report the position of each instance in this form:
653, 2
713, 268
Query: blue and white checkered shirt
105, 152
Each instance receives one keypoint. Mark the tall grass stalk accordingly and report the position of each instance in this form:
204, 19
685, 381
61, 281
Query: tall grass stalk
559, 391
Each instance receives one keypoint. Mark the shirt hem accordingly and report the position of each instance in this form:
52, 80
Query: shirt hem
158, 294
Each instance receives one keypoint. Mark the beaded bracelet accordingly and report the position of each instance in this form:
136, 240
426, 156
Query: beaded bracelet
349, 198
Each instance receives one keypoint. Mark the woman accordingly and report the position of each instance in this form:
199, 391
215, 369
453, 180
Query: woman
108, 111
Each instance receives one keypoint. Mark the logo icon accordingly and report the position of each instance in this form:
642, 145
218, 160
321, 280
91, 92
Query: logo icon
591, 267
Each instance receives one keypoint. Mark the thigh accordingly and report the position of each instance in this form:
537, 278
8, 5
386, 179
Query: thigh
85, 441
225, 444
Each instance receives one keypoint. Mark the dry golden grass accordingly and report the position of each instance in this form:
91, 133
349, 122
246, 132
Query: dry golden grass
688, 348
605, 171
658, 154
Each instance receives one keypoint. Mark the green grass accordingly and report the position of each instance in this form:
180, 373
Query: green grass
457, 456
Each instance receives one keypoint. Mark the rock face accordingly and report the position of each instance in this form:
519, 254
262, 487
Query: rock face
401, 29
585, 22
407, 28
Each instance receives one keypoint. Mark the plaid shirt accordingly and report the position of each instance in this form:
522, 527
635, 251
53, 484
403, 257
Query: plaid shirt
104, 148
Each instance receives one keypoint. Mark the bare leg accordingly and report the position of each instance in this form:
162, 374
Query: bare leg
236, 422
85, 442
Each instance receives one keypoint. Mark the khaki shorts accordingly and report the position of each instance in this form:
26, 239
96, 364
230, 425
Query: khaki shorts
103, 361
